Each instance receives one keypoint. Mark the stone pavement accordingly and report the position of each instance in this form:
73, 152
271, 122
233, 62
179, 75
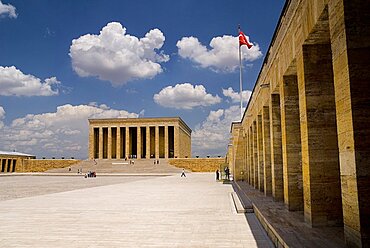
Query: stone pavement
167, 211
12, 187
121, 166
288, 227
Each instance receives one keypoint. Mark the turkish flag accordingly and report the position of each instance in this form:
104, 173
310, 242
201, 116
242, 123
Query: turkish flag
243, 40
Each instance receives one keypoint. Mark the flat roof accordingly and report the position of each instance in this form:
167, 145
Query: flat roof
16, 154
150, 119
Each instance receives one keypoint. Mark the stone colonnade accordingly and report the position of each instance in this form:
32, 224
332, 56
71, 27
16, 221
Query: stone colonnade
13, 161
141, 138
305, 136
8, 164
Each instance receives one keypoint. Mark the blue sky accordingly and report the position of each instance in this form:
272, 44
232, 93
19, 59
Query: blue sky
49, 86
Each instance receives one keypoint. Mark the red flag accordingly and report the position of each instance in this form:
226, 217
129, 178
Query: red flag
243, 40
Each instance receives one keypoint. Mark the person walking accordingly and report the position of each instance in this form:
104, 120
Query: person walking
217, 175
183, 173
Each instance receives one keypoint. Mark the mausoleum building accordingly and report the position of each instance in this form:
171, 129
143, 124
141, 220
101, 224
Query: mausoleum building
141, 138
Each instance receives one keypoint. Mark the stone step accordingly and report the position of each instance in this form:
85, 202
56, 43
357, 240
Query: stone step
243, 198
240, 208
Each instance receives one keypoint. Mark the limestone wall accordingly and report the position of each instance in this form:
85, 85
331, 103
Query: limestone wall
41, 165
198, 164
185, 144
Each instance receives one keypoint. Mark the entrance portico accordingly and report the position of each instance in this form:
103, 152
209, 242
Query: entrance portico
140, 138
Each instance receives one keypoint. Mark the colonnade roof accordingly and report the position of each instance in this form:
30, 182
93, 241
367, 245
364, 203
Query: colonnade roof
140, 120
266, 58
16, 154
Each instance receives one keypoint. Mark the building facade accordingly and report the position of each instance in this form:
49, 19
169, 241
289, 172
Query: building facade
141, 138
304, 138
13, 161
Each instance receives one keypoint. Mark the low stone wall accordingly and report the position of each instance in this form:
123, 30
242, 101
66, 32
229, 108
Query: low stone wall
198, 164
41, 165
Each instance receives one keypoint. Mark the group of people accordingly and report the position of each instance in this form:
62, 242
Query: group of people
90, 174
227, 173
156, 161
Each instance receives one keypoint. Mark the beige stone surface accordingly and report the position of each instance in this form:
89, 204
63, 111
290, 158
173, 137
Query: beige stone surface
266, 151
198, 164
195, 211
291, 142
40, 165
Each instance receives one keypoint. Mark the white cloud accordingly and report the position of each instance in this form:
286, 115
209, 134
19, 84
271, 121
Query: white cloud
2, 116
116, 56
223, 55
211, 137
61, 133
185, 96
235, 96
7, 10
13, 82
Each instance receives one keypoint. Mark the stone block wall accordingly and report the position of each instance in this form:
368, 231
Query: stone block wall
185, 144
41, 165
198, 164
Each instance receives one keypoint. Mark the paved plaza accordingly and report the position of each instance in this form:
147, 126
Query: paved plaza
131, 211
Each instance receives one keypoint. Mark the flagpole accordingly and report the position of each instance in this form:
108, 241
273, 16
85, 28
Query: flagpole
240, 77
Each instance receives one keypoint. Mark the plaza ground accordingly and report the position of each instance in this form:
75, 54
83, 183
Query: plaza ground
124, 211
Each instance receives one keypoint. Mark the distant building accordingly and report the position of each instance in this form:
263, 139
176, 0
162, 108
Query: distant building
141, 138
13, 161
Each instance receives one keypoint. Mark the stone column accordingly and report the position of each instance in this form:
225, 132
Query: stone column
276, 150
350, 41
91, 142
237, 144
255, 156
118, 140
291, 143
176, 141
247, 163
266, 150
138, 139
109, 155
166, 142
127, 152
147, 142
260, 154
100, 143
320, 156
157, 142
251, 156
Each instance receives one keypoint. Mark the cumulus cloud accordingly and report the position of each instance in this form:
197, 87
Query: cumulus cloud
7, 10
61, 133
211, 137
2, 116
235, 96
185, 96
13, 82
223, 55
118, 57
